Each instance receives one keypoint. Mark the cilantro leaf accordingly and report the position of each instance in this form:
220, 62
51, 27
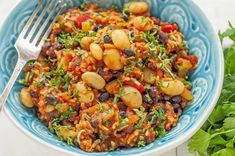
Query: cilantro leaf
230, 32
141, 143
229, 124
201, 138
225, 152
217, 136
229, 60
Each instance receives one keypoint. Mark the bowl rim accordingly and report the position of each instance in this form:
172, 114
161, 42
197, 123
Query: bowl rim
167, 147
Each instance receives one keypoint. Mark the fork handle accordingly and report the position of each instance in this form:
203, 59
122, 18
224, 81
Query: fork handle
19, 66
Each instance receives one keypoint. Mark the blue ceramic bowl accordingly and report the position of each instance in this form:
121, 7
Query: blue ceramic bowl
207, 78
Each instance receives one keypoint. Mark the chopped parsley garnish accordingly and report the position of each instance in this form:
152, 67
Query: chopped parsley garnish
141, 143
107, 123
57, 129
160, 130
101, 107
123, 121
58, 77
119, 94
68, 114
142, 116
22, 82
27, 79
58, 107
87, 116
125, 12
159, 115
79, 135
67, 39
147, 96
70, 141
165, 63
101, 136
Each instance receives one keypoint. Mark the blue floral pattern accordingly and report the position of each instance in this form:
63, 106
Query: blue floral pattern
207, 78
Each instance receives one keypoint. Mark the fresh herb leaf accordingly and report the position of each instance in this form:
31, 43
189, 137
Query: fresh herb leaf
230, 63
230, 32
141, 143
216, 137
68, 114
58, 107
123, 122
142, 116
87, 116
79, 135
201, 138
225, 152
67, 39
229, 124
70, 141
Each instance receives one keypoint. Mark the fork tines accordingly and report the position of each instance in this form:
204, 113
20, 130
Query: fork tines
39, 24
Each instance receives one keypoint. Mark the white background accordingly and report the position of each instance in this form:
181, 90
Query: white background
14, 143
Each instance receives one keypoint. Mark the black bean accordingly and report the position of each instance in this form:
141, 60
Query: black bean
102, 73
129, 52
46, 46
180, 111
51, 99
149, 116
122, 106
104, 96
161, 97
162, 37
34, 94
147, 99
153, 92
76, 44
58, 46
52, 114
176, 106
167, 97
76, 144
114, 72
125, 18
94, 123
152, 65
52, 53
76, 107
107, 39
97, 27
176, 99
122, 114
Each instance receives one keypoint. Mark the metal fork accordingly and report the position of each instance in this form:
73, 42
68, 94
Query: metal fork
31, 40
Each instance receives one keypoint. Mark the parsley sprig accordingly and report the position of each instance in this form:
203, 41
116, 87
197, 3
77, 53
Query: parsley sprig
67, 40
217, 136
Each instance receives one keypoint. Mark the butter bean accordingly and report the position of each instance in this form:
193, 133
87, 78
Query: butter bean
26, 98
131, 97
120, 39
173, 87
143, 23
112, 59
138, 7
93, 80
149, 75
96, 51
85, 42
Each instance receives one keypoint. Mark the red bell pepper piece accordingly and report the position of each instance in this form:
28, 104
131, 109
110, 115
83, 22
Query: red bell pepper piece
192, 58
136, 84
82, 18
167, 28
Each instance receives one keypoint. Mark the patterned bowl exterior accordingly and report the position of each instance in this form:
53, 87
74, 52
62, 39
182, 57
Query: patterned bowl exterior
207, 78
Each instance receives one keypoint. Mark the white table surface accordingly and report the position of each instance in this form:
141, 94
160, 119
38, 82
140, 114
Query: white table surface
14, 143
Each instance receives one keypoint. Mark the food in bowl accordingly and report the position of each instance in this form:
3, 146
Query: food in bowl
107, 79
